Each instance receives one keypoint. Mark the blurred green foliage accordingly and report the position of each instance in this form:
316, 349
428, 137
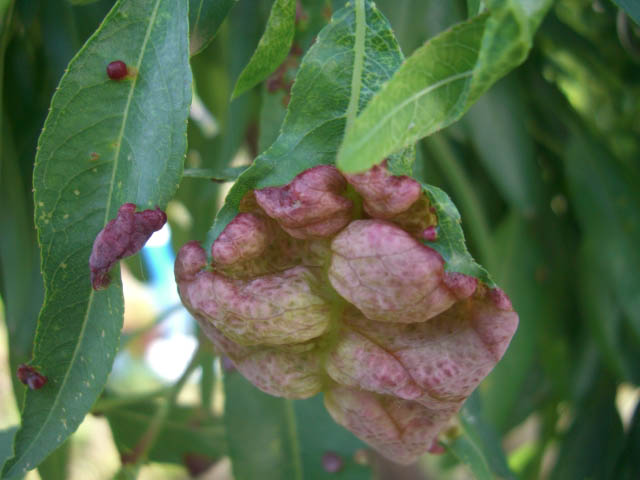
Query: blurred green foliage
545, 170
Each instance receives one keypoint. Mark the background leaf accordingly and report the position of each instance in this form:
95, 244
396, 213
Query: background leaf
315, 118
186, 432
138, 158
631, 7
205, 18
273, 47
440, 81
261, 432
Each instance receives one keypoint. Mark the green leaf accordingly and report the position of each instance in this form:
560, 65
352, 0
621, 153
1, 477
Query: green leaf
632, 7
205, 18
273, 47
6, 442
318, 434
606, 198
104, 143
473, 7
479, 446
315, 120
450, 242
595, 439
440, 81
55, 466
186, 432
261, 432
504, 146
628, 467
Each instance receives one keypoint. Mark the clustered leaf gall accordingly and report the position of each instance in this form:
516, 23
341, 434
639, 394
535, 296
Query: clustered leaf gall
308, 294
31, 377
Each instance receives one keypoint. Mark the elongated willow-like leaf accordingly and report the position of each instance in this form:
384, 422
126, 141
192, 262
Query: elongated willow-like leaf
320, 97
261, 433
104, 143
273, 47
632, 7
205, 18
441, 80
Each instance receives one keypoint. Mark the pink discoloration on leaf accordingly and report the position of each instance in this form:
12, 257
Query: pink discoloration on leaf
387, 274
402, 349
291, 374
385, 195
311, 206
273, 309
122, 237
245, 238
358, 362
399, 429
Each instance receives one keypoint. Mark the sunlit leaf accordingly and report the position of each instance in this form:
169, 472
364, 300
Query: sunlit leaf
104, 143
320, 96
440, 81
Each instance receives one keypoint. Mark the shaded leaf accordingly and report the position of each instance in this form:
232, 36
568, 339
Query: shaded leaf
185, 432
440, 81
628, 467
632, 8
6, 442
272, 48
499, 134
319, 434
55, 466
104, 143
606, 200
261, 432
315, 119
479, 445
595, 439
205, 18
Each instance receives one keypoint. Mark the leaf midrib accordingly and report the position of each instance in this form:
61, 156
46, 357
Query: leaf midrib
425, 91
107, 209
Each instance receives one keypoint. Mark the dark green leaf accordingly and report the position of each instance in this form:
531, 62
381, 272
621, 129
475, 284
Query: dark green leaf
6, 442
450, 243
632, 7
595, 439
186, 432
55, 466
315, 120
261, 433
473, 7
498, 129
606, 199
273, 47
619, 347
104, 143
319, 434
440, 81
205, 18
479, 445
628, 467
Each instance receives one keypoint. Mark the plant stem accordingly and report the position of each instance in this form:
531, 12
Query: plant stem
148, 439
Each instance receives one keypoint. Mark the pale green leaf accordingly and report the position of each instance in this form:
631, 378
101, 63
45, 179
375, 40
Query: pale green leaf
440, 81
272, 48
315, 120
104, 143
